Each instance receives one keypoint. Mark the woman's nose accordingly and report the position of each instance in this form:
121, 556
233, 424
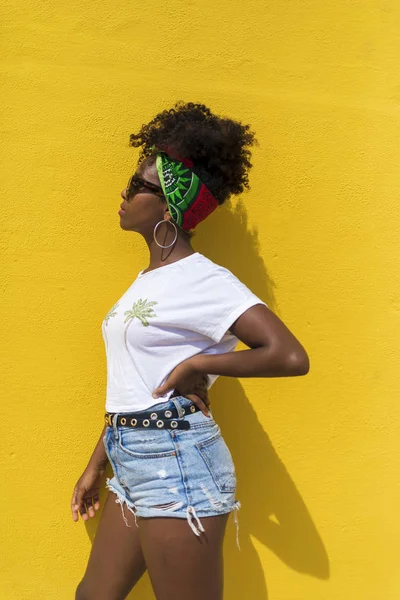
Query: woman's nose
123, 194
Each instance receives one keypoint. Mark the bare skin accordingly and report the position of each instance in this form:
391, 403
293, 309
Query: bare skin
116, 559
181, 565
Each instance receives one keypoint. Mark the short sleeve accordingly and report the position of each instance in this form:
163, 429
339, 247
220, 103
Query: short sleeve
224, 299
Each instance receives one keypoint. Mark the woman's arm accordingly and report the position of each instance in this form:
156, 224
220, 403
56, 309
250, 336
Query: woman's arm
86, 495
99, 456
273, 352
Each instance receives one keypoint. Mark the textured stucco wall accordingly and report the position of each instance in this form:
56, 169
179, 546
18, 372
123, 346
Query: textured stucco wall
317, 237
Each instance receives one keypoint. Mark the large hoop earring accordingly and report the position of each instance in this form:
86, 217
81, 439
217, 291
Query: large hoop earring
155, 231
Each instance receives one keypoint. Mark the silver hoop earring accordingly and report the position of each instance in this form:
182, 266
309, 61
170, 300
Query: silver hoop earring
155, 231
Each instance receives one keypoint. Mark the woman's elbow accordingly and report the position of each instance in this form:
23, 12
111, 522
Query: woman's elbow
298, 362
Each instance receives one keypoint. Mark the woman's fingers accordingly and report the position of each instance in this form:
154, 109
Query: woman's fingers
199, 402
75, 503
204, 396
96, 501
85, 503
83, 513
89, 506
202, 392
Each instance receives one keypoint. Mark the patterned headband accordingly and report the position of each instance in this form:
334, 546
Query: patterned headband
189, 201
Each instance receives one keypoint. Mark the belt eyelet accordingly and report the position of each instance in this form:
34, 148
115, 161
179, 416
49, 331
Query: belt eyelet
133, 422
146, 423
168, 414
154, 416
160, 424
174, 424
123, 421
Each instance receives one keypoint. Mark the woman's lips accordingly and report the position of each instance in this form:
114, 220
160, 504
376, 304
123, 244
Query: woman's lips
121, 212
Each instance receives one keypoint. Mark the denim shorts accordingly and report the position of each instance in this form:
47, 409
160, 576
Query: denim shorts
187, 474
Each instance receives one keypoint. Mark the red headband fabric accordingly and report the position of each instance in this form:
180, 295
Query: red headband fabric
189, 200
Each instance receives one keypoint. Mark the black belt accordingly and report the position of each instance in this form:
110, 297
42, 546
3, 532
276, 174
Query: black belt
160, 419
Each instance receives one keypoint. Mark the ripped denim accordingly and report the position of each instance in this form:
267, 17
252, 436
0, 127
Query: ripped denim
173, 473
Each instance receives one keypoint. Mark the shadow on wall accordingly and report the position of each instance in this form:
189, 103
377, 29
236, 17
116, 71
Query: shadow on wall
272, 509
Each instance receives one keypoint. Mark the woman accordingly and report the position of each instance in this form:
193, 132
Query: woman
175, 328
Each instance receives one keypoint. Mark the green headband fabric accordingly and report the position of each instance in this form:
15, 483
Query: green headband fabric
189, 200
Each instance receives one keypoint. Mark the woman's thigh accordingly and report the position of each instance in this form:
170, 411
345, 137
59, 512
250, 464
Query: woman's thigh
181, 565
116, 560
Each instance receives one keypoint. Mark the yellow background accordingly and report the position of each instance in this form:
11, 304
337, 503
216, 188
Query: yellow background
317, 237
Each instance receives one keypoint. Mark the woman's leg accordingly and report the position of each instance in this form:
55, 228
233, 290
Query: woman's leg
181, 565
116, 561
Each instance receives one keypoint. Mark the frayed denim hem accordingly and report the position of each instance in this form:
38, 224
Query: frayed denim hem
120, 499
171, 511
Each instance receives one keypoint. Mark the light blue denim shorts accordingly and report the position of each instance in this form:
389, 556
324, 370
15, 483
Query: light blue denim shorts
179, 473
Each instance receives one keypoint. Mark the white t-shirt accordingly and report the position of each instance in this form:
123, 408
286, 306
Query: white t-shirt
167, 315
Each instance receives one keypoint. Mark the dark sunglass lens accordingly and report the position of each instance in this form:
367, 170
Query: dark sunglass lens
132, 187
136, 184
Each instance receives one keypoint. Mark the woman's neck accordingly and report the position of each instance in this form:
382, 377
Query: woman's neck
164, 256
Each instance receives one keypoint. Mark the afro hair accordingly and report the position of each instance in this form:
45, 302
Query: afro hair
220, 148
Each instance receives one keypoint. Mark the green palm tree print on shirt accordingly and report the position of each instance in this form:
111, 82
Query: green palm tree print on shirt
142, 310
111, 313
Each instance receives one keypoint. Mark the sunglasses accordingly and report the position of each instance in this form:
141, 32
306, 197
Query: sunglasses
137, 184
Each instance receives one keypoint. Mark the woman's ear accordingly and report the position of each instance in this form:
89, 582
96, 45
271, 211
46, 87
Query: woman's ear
167, 214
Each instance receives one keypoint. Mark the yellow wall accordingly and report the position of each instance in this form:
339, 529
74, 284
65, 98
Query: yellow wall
317, 237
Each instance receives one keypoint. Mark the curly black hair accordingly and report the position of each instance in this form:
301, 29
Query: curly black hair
219, 147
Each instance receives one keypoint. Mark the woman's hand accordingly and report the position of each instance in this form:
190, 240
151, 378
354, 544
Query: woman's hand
189, 382
86, 496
